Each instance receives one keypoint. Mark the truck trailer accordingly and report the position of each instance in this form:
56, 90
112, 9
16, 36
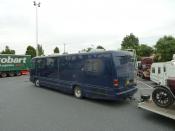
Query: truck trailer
11, 65
152, 107
162, 101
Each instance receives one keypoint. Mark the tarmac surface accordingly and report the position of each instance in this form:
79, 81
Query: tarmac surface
24, 107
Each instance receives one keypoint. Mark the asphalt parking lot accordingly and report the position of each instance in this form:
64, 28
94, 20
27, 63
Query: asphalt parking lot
24, 107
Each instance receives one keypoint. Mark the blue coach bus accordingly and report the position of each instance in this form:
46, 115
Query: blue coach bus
100, 75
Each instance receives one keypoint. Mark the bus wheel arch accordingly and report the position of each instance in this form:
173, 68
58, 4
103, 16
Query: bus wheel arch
37, 82
77, 91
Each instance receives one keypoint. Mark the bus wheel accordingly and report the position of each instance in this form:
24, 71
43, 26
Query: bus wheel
37, 83
78, 92
162, 97
3, 75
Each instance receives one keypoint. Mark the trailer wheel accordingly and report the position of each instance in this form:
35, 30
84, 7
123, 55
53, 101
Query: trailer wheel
3, 75
162, 97
78, 92
11, 74
37, 83
18, 74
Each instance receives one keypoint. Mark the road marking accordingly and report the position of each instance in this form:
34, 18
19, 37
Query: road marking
145, 84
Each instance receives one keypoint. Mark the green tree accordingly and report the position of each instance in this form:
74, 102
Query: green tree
130, 42
86, 50
8, 51
40, 50
56, 50
165, 47
100, 47
157, 57
144, 50
31, 51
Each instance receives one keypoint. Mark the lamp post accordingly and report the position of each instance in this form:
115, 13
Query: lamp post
64, 48
36, 5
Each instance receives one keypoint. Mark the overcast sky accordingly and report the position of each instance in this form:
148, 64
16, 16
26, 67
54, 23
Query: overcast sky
83, 23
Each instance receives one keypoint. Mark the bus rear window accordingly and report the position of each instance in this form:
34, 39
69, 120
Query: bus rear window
122, 60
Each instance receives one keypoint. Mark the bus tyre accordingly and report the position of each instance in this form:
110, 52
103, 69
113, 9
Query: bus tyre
78, 92
3, 75
162, 97
37, 83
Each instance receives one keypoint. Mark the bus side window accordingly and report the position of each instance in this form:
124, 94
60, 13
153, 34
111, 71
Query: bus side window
62, 64
33, 64
40, 64
88, 66
94, 67
51, 67
50, 63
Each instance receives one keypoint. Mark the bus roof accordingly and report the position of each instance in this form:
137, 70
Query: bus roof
117, 53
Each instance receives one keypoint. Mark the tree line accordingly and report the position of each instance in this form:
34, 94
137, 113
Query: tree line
162, 51
30, 50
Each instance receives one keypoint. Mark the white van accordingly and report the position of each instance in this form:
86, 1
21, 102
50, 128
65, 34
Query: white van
161, 71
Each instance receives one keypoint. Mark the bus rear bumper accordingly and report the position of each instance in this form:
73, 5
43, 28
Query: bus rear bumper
117, 96
125, 94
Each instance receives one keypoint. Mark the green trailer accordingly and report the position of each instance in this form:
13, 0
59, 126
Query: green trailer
11, 65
